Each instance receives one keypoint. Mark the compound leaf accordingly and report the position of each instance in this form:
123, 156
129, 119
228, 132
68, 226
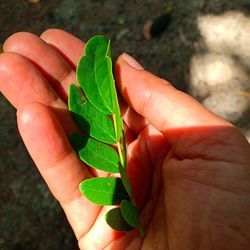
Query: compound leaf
115, 219
130, 213
104, 190
88, 118
94, 153
93, 114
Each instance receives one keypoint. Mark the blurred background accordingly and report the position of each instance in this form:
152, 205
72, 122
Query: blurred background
201, 47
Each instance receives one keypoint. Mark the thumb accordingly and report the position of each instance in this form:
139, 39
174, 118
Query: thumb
158, 101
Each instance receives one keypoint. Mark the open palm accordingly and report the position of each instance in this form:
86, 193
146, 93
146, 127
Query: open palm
189, 169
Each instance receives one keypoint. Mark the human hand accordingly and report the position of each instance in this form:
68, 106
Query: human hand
189, 169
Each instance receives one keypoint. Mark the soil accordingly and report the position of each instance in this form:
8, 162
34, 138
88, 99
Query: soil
30, 217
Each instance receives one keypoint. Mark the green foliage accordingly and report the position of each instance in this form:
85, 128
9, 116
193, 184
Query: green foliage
85, 114
95, 153
130, 213
95, 108
115, 219
91, 69
104, 190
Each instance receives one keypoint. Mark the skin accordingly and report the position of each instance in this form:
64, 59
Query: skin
190, 170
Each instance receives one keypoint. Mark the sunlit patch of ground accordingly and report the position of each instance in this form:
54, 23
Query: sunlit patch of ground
219, 71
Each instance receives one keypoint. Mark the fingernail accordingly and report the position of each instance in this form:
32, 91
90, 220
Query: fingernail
131, 61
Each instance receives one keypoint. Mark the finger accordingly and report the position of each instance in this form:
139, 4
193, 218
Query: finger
59, 165
48, 60
21, 82
145, 154
134, 122
69, 46
160, 103
129, 135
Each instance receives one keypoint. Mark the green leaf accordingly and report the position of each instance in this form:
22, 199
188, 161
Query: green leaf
130, 213
104, 79
88, 118
115, 105
115, 219
96, 154
87, 81
97, 46
92, 74
104, 190
125, 179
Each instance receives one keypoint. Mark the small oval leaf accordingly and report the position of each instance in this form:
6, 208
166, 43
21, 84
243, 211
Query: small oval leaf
86, 78
94, 153
88, 118
130, 213
93, 74
115, 220
104, 190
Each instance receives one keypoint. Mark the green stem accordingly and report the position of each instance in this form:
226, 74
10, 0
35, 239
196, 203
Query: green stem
120, 153
118, 144
124, 147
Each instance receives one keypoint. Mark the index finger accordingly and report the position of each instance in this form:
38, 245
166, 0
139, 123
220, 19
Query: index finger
69, 46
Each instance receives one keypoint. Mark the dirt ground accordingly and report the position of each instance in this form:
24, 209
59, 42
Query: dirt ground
30, 217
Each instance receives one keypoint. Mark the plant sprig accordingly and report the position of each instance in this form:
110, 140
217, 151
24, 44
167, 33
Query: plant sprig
102, 145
